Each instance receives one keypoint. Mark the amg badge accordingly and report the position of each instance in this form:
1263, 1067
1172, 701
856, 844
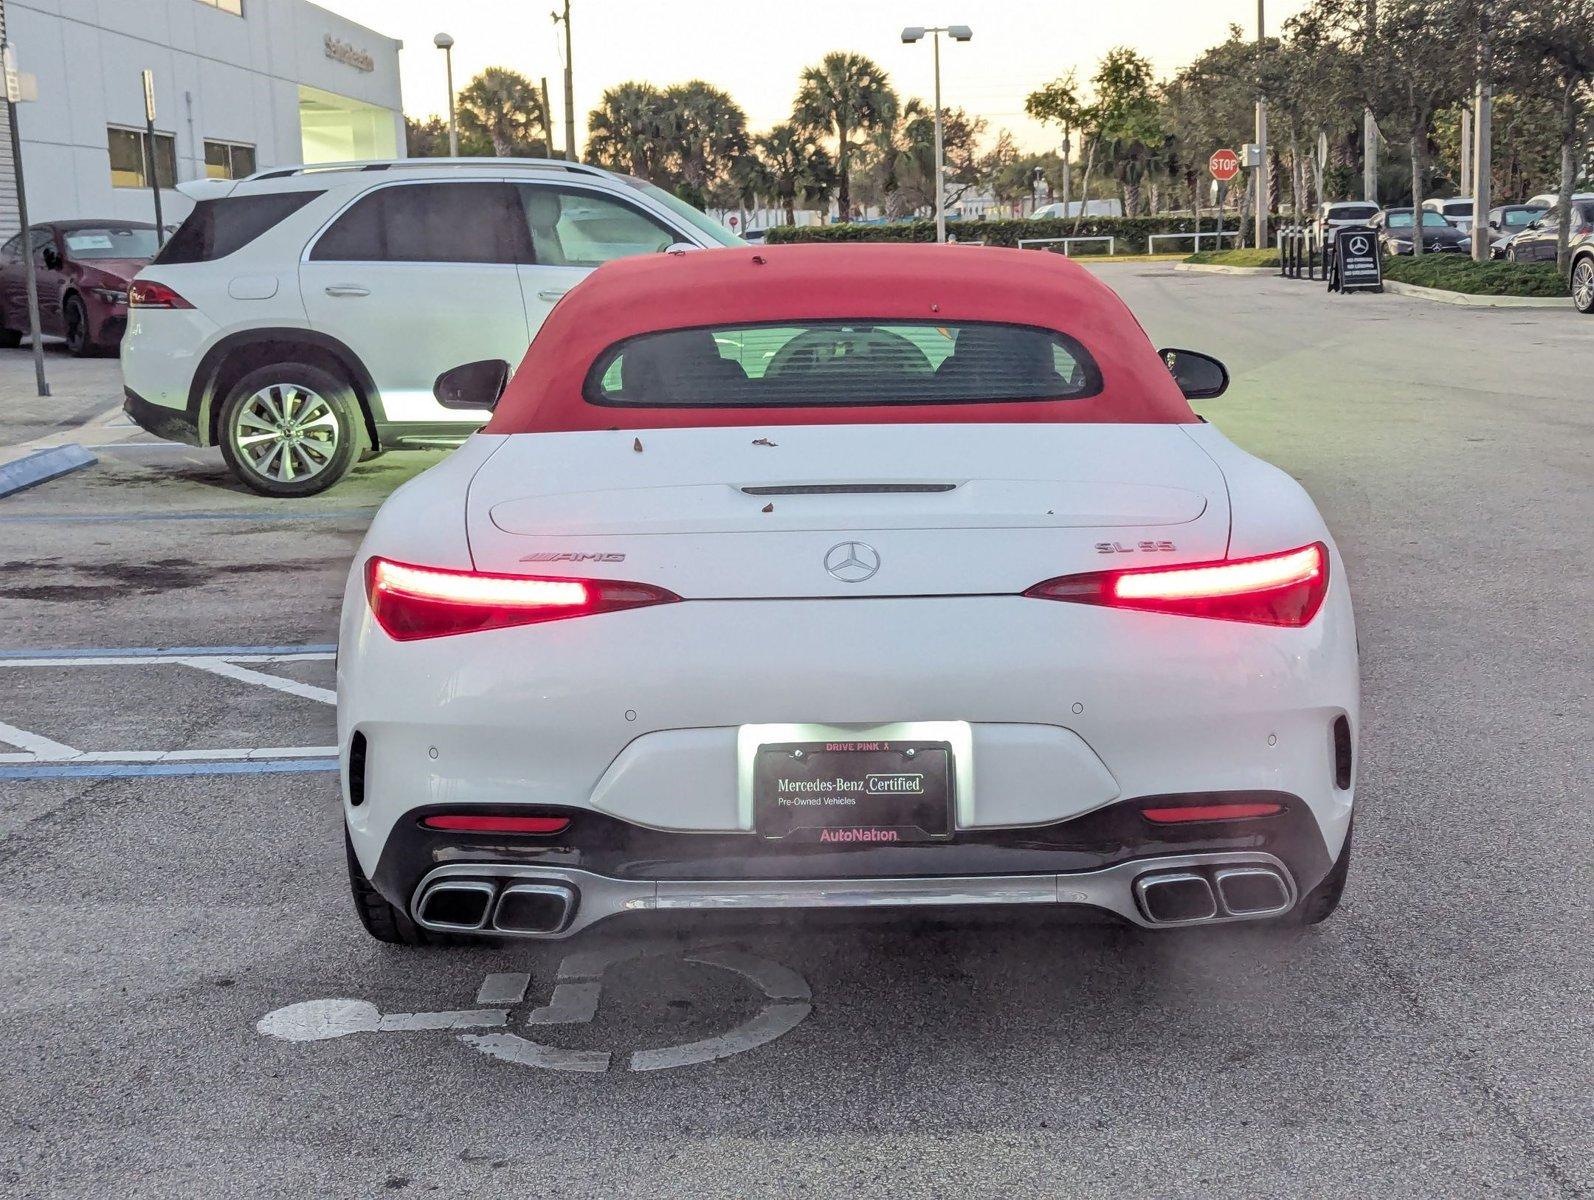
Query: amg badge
550, 556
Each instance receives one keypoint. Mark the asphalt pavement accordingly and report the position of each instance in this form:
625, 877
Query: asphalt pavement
176, 924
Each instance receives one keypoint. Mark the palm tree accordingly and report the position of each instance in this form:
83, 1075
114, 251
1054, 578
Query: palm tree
795, 167
845, 94
626, 131
504, 108
704, 133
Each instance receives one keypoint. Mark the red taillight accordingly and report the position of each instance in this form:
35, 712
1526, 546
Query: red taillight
1184, 813
412, 602
146, 293
474, 823
1274, 589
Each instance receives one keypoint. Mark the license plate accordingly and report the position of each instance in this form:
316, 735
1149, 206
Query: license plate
853, 792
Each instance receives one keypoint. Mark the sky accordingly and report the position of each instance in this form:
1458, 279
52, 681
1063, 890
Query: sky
755, 49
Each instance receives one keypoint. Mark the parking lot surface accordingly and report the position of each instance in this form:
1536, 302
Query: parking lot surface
191, 1007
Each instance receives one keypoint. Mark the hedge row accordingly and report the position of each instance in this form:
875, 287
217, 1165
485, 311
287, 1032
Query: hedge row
1458, 273
1130, 232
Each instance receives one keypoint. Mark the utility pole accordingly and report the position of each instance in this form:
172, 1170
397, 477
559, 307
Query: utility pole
1066, 171
570, 87
1263, 180
13, 81
149, 142
1466, 147
547, 115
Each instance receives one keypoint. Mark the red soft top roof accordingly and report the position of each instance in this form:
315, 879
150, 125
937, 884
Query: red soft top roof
901, 282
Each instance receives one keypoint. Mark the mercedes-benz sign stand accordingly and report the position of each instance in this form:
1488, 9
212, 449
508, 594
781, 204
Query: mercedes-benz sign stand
1355, 266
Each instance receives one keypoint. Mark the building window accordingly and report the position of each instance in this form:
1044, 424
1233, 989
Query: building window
229, 160
235, 7
129, 164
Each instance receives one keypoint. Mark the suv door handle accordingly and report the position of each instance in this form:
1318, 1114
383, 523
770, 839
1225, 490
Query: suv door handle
346, 289
551, 293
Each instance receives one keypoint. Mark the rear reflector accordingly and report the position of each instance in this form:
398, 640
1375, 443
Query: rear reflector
1274, 589
1178, 815
412, 603
145, 293
474, 823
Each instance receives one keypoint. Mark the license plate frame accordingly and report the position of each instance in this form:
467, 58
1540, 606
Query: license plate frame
859, 791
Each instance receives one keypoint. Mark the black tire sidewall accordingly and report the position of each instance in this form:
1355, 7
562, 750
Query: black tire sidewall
84, 347
339, 396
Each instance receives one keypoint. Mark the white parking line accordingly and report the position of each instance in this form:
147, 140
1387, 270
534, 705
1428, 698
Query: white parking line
36, 745
221, 666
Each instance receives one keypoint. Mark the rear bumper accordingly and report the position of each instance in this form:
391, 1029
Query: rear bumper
1218, 888
173, 424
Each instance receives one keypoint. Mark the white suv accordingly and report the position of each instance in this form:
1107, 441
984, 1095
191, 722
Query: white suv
299, 318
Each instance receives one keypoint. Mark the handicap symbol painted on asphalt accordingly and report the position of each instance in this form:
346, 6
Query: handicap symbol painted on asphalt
577, 992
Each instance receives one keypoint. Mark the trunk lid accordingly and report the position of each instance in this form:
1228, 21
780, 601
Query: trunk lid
940, 509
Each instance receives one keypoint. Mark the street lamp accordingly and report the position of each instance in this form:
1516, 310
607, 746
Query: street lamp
958, 33
446, 44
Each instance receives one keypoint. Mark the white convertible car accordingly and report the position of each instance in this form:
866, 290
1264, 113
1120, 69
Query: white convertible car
817, 577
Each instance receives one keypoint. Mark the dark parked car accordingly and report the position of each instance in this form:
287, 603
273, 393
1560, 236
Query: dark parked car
84, 268
1537, 242
1395, 228
1508, 220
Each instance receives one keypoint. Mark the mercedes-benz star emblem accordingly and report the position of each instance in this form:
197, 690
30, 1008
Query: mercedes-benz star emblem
1358, 245
852, 562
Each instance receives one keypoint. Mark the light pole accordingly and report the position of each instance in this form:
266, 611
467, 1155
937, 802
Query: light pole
1264, 182
958, 33
570, 87
446, 44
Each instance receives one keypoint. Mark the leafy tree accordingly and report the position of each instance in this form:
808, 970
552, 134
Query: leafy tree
704, 133
795, 168
429, 139
626, 132
843, 95
1554, 40
1127, 119
504, 109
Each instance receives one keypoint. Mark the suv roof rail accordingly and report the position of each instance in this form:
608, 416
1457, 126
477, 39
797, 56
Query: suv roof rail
404, 164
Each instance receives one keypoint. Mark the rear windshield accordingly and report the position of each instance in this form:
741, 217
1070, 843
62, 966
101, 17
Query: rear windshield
822, 363
1458, 208
110, 241
216, 228
1352, 212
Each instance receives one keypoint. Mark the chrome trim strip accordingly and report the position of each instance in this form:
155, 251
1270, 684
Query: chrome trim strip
601, 896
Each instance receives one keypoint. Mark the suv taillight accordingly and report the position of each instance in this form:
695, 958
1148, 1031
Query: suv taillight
146, 293
412, 603
1273, 589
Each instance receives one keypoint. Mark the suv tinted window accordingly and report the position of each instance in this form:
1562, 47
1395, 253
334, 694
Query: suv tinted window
216, 228
431, 222
571, 227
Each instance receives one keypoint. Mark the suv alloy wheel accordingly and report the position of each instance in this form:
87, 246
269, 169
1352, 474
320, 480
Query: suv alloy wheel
290, 429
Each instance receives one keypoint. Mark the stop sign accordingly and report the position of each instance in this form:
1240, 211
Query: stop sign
1224, 165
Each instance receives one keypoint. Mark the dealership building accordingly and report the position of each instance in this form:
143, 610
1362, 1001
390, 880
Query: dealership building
240, 86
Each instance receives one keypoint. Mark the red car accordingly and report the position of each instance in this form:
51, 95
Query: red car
84, 268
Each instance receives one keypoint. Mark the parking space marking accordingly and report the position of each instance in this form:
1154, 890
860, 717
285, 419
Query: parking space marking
35, 746
222, 666
576, 997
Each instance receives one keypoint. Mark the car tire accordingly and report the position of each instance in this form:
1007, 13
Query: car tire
1322, 901
1583, 284
381, 919
290, 429
76, 316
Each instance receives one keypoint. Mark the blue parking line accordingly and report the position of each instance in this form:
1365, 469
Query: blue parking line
330, 514
168, 651
265, 766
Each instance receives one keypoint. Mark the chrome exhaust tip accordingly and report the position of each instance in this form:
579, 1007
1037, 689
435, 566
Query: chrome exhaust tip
1176, 898
1252, 891
455, 905
543, 909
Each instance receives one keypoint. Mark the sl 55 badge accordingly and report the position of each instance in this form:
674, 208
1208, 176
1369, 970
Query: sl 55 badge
1134, 548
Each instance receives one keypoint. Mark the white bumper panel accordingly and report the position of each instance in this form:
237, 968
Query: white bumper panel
701, 779
1069, 706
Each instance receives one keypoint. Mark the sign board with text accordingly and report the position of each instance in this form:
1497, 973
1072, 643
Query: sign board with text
1355, 265
1224, 165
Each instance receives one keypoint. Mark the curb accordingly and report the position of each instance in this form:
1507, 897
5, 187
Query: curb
42, 466
1467, 300
1224, 269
